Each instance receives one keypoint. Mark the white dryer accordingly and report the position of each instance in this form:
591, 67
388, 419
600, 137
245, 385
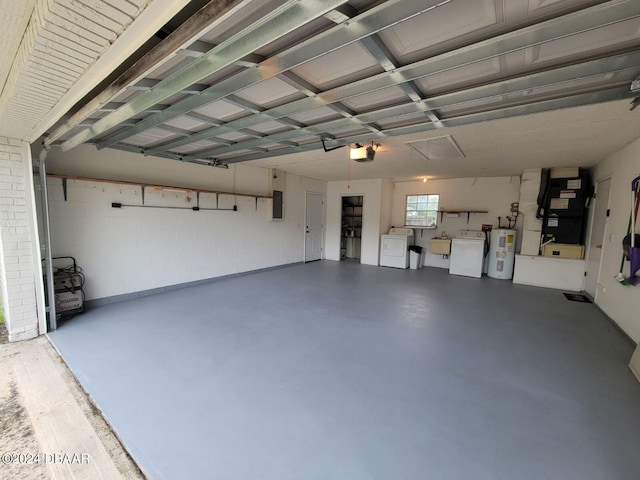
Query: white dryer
467, 254
394, 247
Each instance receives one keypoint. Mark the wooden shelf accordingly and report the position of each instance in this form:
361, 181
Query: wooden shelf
468, 212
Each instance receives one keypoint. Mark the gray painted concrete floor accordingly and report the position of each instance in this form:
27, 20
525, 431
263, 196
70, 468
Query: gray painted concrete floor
48, 429
335, 370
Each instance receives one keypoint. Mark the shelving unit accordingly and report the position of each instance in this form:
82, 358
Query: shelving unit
350, 241
468, 212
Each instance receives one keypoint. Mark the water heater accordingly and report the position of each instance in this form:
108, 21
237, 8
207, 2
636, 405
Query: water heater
502, 249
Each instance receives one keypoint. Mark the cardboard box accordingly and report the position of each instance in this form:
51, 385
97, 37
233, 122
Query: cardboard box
567, 172
563, 250
440, 246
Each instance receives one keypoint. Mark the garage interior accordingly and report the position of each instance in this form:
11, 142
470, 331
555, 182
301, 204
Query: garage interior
195, 159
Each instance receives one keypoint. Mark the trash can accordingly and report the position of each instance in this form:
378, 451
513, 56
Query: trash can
415, 257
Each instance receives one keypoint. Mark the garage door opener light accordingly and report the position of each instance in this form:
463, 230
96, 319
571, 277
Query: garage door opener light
359, 153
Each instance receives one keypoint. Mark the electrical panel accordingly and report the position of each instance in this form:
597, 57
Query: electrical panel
277, 191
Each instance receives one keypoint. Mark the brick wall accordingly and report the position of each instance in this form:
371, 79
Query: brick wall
17, 234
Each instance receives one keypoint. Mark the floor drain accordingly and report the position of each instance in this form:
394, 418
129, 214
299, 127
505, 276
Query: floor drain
577, 297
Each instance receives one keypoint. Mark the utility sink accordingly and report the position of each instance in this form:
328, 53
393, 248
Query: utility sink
440, 246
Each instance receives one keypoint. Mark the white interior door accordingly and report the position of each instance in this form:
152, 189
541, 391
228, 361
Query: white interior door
314, 228
598, 225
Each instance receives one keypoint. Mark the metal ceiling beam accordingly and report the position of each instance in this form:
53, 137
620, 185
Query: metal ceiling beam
170, 156
244, 104
203, 118
527, 80
376, 47
341, 14
288, 77
369, 22
292, 15
178, 131
292, 123
147, 84
587, 19
299, 83
200, 48
311, 91
618, 93
206, 18
567, 25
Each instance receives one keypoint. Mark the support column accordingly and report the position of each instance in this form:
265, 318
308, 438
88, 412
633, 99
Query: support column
20, 270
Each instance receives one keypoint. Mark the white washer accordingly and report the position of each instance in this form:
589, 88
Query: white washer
394, 247
467, 254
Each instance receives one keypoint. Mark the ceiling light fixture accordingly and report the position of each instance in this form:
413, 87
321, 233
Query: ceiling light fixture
426, 169
359, 153
426, 160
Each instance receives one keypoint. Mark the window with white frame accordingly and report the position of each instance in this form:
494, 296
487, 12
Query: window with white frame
422, 211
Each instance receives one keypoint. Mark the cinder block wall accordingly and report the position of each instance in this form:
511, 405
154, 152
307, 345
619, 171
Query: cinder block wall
17, 234
128, 250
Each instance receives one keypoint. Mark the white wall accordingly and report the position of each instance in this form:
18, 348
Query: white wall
133, 249
371, 191
386, 205
494, 194
621, 303
86, 161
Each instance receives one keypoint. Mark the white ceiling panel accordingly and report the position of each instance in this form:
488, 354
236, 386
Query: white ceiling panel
345, 64
193, 147
534, 6
407, 119
586, 42
234, 136
186, 123
270, 127
475, 72
274, 146
377, 99
150, 137
314, 27
349, 131
268, 92
439, 25
573, 86
245, 15
220, 110
169, 67
472, 105
315, 115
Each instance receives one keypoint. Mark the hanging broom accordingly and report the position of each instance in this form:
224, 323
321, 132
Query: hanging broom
619, 276
634, 251
628, 242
